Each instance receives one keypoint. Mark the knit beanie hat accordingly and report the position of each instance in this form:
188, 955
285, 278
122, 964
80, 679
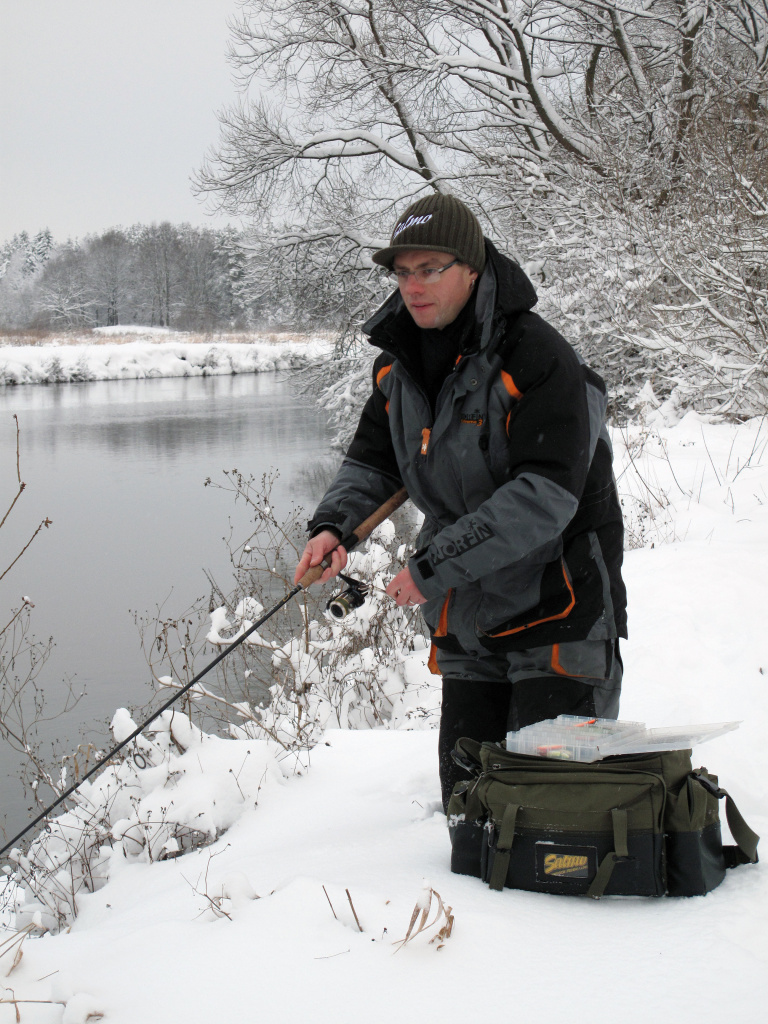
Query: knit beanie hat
437, 223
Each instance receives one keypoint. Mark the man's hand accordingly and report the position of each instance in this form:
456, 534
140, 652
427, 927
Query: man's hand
404, 591
316, 550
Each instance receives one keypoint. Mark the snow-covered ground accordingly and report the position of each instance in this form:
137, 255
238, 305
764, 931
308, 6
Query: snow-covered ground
261, 924
152, 352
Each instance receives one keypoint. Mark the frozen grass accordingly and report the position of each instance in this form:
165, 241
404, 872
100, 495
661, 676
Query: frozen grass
123, 335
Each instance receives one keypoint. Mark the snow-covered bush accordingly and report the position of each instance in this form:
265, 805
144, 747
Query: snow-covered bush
300, 673
23, 703
172, 790
672, 485
368, 669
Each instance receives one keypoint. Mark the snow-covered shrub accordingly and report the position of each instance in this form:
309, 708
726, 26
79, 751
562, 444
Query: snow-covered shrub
643, 492
301, 673
172, 790
24, 702
672, 485
368, 669
711, 326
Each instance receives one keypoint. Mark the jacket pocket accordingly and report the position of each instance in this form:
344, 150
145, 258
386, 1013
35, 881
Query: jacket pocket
557, 600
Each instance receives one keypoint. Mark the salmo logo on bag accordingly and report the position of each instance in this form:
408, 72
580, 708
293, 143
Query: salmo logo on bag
567, 865
559, 864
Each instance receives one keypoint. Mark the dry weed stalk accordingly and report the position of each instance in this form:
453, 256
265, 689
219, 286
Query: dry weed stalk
357, 919
423, 907
220, 903
16, 1003
13, 944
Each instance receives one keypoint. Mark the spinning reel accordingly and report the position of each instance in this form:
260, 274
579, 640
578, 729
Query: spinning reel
348, 600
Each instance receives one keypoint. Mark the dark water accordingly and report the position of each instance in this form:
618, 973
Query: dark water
119, 467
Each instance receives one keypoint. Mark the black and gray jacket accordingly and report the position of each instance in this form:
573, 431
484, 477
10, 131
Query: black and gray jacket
522, 538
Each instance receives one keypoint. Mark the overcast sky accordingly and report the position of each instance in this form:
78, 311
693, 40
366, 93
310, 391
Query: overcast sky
106, 109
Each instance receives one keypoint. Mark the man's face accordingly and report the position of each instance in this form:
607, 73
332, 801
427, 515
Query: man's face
437, 303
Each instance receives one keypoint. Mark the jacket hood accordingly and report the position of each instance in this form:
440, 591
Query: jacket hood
503, 286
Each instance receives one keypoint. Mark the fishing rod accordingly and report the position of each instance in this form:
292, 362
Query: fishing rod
359, 534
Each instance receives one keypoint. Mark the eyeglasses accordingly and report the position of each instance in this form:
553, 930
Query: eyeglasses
424, 275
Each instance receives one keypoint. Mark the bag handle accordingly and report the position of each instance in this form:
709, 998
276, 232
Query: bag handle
620, 852
745, 851
466, 754
504, 847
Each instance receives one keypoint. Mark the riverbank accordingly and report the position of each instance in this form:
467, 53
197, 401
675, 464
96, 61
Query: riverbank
293, 914
136, 353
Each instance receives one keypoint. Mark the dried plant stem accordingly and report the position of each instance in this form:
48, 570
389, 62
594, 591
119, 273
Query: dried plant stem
329, 902
442, 911
353, 909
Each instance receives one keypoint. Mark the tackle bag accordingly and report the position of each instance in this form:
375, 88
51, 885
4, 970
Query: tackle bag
629, 825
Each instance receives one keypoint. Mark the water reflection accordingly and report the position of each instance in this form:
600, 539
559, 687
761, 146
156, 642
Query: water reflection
119, 467
114, 393
166, 418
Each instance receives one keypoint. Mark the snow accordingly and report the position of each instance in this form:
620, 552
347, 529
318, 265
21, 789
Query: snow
152, 352
260, 925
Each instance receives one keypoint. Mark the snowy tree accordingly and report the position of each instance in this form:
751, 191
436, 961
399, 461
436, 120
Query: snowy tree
580, 132
21, 262
64, 297
38, 251
109, 270
205, 286
168, 275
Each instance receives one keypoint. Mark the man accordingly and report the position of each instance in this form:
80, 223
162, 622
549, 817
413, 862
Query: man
496, 428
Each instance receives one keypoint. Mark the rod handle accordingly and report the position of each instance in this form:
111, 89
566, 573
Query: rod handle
312, 575
360, 533
366, 528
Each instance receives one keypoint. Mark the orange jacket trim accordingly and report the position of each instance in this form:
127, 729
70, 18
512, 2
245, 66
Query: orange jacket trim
558, 668
550, 618
510, 385
442, 625
432, 662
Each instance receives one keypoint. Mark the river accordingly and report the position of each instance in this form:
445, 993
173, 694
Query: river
119, 468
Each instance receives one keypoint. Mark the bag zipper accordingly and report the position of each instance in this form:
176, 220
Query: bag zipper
490, 773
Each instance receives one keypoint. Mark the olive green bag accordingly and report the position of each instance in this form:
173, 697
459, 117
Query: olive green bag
630, 825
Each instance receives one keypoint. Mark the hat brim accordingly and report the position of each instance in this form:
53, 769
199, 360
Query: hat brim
386, 257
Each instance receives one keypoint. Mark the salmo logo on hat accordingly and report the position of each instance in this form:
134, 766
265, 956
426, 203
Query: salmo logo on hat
411, 222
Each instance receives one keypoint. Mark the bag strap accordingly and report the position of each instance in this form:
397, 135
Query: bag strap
504, 847
745, 851
620, 852
466, 754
